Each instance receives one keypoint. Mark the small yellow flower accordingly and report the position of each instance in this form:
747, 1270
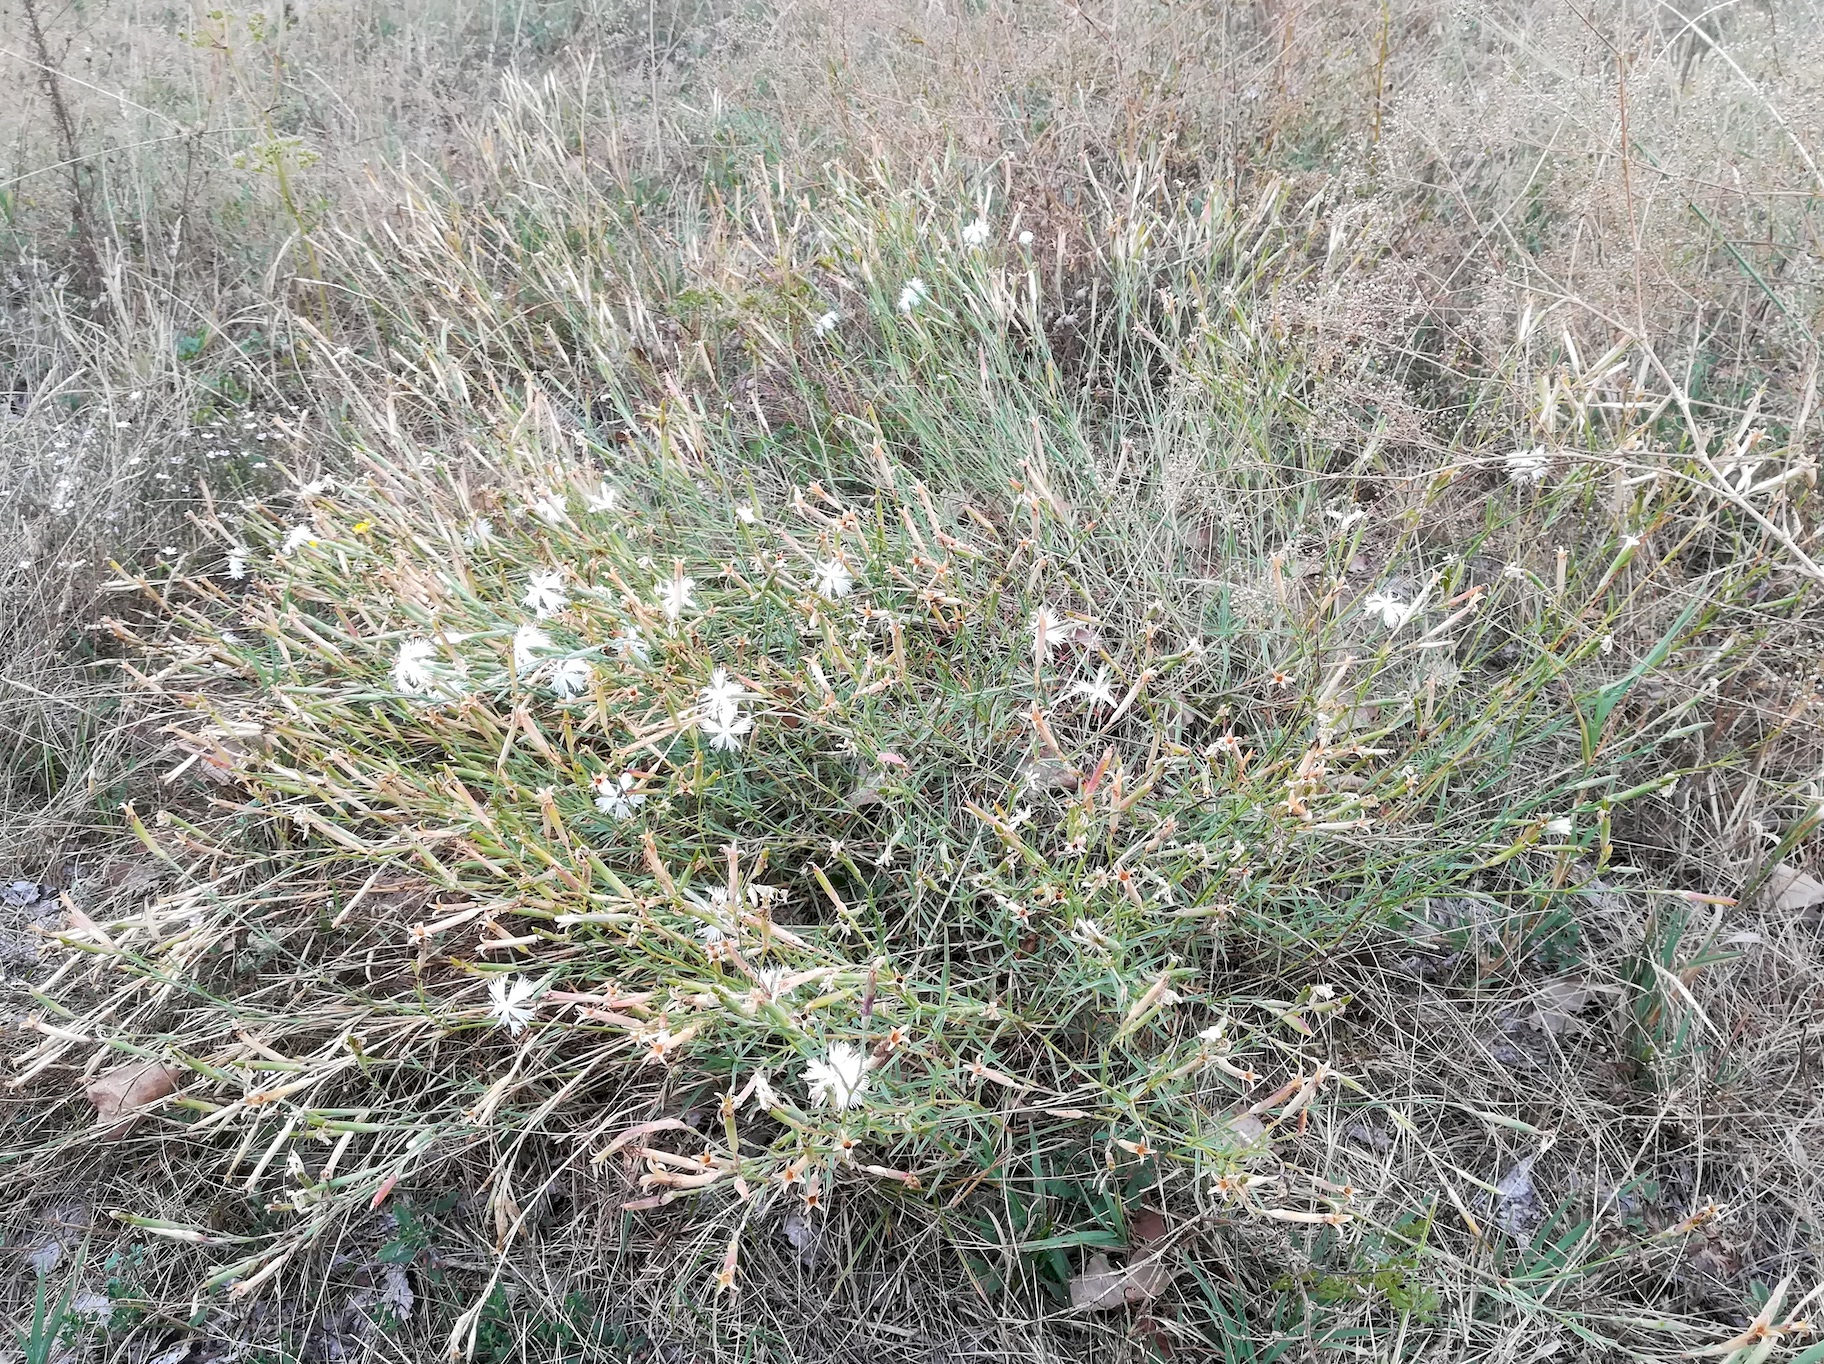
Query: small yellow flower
363, 527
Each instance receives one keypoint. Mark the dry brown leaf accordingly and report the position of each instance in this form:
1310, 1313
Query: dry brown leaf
119, 1094
1517, 1209
805, 1235
1148, 1226
1048, 774
1248, 1128
1557, 1004
867, 790
1101, 1288
1790, 890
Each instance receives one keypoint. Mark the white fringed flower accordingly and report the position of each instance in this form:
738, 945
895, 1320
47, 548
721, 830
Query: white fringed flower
630, 643
545, 594
834, 580
840, 1079
509, 1001
975, 234
1088, 933
912, 295
412, 670
723, 696
725, 731
1392, 611
528, 643
570, 677
1097, 692
550, 509
1529, 467
764, 1096
675, 597
615, 796
1047, 632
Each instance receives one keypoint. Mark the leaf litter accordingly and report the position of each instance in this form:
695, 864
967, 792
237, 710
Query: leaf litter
125, 1091
1791, 891
1102, 1287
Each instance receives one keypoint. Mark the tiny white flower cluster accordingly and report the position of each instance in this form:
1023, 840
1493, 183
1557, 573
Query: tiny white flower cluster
720, 716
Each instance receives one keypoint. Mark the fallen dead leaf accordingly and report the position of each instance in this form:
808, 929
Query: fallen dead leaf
45, 1256
1557, 1003
1717, 1258
121, 1092
1148, 1226
1248, 1128
179, 1351
805, 1236
20, 894
1517, 1210
396, 1292
867, 790
1790, 890
1102, 1288
1048, 774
